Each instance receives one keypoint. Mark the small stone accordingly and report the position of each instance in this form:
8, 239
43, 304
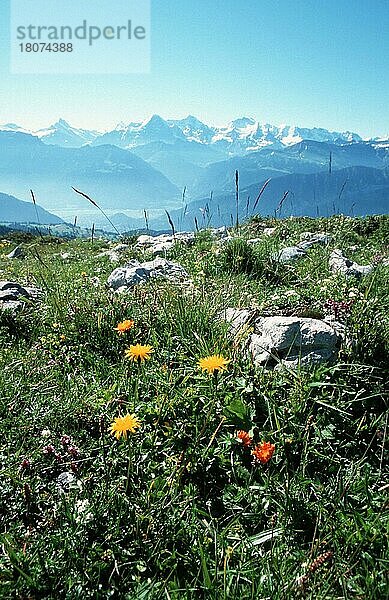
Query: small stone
239, 319
66, 482
309, 239
16, 253
290, 254
340, 264
13, 295
135, 273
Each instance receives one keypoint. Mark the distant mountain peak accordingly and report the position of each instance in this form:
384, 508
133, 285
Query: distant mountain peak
154, 120
243, 122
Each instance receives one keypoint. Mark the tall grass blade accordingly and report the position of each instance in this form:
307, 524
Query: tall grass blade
98, 207
263, 188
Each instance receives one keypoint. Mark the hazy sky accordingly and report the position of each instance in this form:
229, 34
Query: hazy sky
304, 62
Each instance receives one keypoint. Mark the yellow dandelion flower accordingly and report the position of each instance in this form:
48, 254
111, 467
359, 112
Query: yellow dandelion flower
213, 363
124, 326
139, 352
122, 425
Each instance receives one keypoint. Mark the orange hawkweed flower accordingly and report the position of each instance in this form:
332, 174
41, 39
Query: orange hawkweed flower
263, 452
244, 437
124, 326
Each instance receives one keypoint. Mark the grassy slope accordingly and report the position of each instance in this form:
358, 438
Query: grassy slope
179, 511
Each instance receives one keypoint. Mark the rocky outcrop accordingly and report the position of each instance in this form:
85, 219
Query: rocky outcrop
285, 341
17, 252
290, 254
116, 253
13, 295
135, 273
339, 264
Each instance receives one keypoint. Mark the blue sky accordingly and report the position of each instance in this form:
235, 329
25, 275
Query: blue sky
305, 62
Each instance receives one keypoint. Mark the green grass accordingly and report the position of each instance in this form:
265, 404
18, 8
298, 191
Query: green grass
179, 511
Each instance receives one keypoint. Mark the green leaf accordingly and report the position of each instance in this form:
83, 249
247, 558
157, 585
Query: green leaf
238, 414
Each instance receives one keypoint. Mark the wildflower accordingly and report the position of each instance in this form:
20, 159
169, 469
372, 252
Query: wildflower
66, 440
124, 326
213, 363
73, 451
122, 425
45, 433
84, 274
263, 452
83, 514
139, 352
244, 437
49, 449
27, 492
25, 465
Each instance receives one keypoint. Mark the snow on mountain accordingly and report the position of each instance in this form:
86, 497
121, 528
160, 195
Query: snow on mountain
194, 130
153, 129
62, 133
238, 137
13, 127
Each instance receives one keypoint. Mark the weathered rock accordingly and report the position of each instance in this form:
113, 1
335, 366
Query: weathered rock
181, 236
220, 234
13, 295
16, 253
67, 482
161, 248
115, 254
340, 264
160, 244
269, 231
290, 254
293, 341
309, 239
239, 319
135, 273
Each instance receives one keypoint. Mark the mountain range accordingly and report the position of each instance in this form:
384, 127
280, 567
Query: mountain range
112, 176
239, 136
146, 165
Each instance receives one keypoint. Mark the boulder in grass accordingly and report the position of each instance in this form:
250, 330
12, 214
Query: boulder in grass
290, 254
160, 244
309, 239
135, 273
114, 254
293, 341
16, 253
13, 295
239, 319
340, 264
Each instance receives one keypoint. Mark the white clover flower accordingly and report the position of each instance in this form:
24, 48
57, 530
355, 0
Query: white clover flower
83, 514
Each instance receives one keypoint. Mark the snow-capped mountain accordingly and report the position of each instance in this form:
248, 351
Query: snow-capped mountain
153, 129
60, 133
63, 134
238, 137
